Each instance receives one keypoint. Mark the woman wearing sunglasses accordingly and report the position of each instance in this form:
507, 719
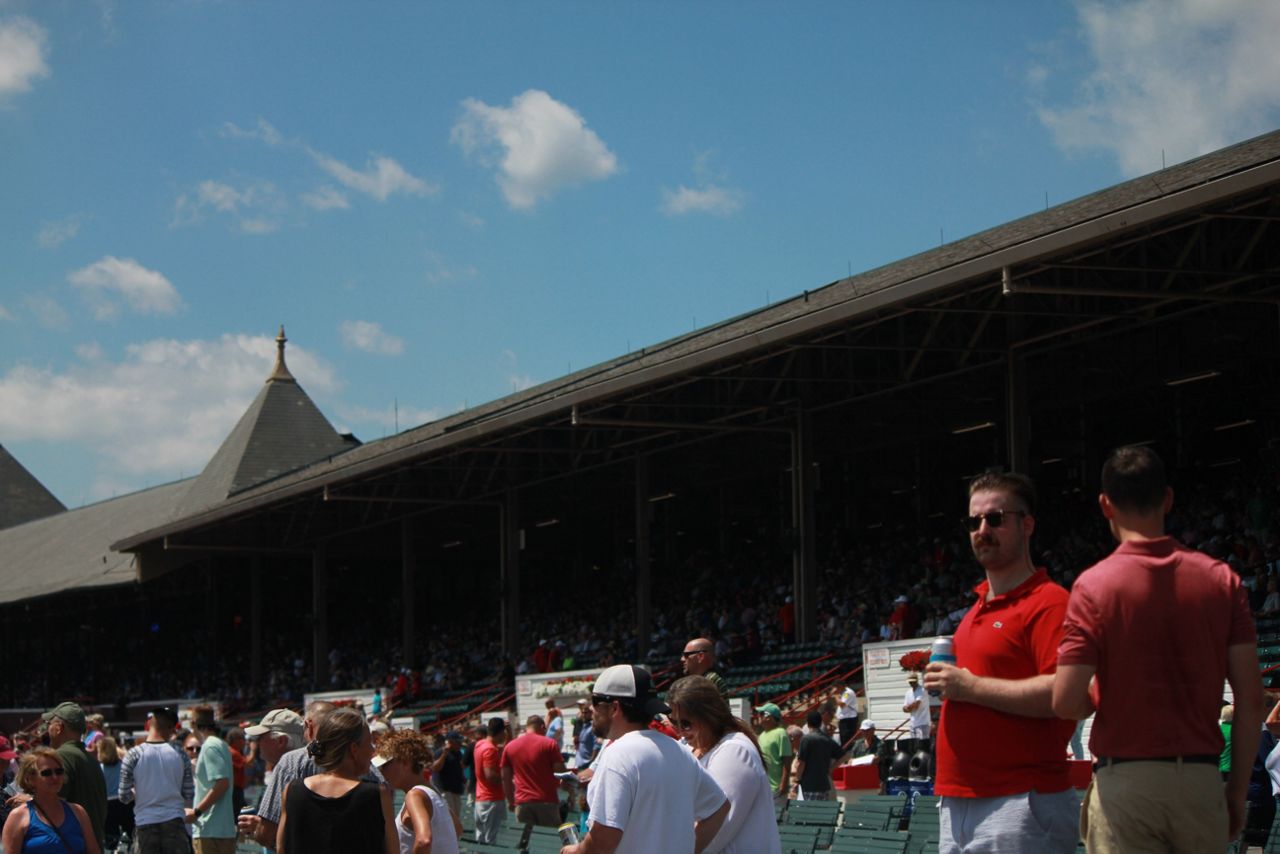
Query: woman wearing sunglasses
425, 824
48, 825
727, 748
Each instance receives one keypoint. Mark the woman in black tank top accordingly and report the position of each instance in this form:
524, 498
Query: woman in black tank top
334, 811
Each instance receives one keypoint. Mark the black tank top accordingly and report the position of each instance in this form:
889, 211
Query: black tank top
350, 824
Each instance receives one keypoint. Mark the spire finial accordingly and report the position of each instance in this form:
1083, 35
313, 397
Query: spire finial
281, 372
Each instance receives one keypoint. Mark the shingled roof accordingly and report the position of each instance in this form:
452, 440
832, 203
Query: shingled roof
22, 497
282, 430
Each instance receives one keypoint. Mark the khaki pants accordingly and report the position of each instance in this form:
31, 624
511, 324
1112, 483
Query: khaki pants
215, 846
541, 814
1155, 807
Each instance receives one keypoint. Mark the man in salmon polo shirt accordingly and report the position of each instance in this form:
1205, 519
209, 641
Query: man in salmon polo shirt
491, 802
1158, 626
529, 765
1001, 754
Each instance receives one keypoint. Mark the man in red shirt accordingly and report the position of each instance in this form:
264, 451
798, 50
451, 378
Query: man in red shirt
529, 766
491, 803
1001, 754
1158, 627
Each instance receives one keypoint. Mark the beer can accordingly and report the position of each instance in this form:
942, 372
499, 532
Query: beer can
942, 650
568, 833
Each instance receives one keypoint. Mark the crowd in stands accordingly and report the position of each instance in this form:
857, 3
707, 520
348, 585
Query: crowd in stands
875, 583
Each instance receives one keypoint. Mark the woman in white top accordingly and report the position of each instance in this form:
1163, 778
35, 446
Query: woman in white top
425, 824
727, 748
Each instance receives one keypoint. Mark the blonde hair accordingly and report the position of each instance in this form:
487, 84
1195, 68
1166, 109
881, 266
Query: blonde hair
27, 773
108, 751
337, 731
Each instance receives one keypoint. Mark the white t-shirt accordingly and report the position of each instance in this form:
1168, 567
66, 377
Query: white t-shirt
653, 790
920, 717
850, 708
444, 836
159, 792
750, 828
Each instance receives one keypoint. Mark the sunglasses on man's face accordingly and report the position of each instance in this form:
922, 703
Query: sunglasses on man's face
994, 519
52, 772
690, 652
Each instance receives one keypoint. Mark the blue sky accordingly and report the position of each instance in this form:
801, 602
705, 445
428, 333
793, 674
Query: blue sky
444, 202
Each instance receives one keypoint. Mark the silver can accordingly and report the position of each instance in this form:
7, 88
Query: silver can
568, 833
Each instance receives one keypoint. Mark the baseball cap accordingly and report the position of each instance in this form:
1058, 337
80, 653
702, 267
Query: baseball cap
627, 682
277, 720
868, 725
453, 735
69, 712
6, 749
380, 760
770, 709
913, 676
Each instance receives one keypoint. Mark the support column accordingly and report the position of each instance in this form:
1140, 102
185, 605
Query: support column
211, 612
408, 602
644, 580
255, 621
320, 617
803, 557
1016, 413
510, 574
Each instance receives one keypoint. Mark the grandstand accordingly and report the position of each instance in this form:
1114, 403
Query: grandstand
817, 447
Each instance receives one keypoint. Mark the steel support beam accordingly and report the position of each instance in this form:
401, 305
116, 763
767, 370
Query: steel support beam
510, 574
320, 617
804, 554
255, 621
644, 581
408, 602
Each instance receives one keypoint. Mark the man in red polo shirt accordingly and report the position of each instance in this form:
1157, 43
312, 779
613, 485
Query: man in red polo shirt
1160, 626
1001, 754
529, 765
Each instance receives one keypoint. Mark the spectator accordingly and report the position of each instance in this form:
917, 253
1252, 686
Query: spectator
847, 713
157, 780
336, 811
119, 815
47, 823
448, 765
915, 702
239, 776
426, 822
775, 751
529, 765
491, 801
212, 815
82, 782
816, 757
728, 749
699, 659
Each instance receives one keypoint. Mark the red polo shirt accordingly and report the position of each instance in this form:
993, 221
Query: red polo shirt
981, 752
1156, 619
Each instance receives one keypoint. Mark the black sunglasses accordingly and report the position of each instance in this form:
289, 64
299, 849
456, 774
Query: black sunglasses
994, 519
598, 699
52, 772
689, 652
682, 723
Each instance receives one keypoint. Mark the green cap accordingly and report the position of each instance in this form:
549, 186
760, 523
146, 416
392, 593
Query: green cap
69, 712
770, 709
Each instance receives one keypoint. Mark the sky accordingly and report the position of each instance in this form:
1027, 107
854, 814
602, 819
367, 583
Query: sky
444, 203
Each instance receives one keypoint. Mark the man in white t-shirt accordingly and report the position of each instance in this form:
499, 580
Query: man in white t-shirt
916, 703
157, 780
648, 793
847, 714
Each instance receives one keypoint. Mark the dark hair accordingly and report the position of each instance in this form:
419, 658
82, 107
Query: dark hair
497, 726
1133, 479
166, 719
334, 736
814, 719
1017, 485
202, 718
698, 697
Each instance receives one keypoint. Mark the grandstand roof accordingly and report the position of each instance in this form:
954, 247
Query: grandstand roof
1108, 215
280, 431
22, 497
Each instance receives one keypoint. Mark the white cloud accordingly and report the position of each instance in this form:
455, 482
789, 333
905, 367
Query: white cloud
370, 337
160, 411
709, 199
258, 205
1182, 76
4, 314
546, 145
146, 291
441, 270
263, 132
23, 50
381, 177
53, 234
326, 198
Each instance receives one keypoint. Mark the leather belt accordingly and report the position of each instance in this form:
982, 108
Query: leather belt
1200, 759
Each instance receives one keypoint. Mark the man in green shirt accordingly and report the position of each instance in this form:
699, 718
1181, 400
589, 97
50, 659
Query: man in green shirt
212, 814
776, 748
82, 782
